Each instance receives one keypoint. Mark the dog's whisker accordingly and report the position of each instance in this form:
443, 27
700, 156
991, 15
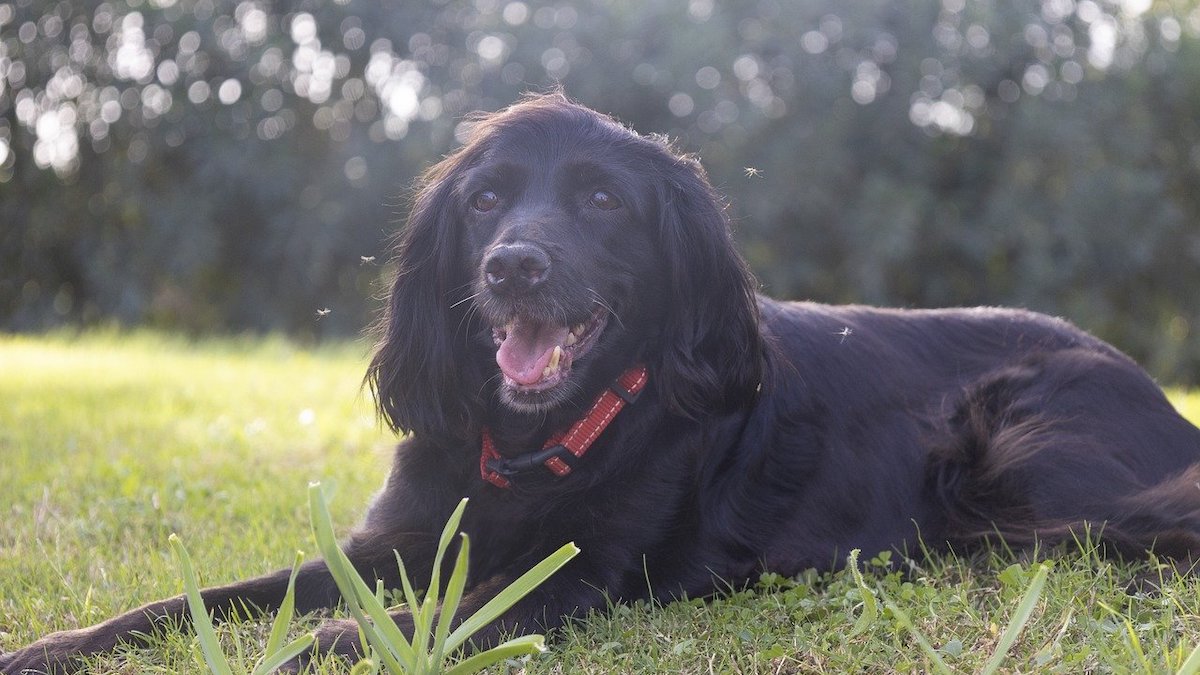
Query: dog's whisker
599, 300
488, 383
469, 298
465, 321
460, 287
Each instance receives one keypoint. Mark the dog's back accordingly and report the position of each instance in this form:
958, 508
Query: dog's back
966, 424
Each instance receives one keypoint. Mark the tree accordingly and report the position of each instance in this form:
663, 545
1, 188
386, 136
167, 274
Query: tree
222, 165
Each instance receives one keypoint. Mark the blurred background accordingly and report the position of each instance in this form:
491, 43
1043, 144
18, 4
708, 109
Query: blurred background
238, 166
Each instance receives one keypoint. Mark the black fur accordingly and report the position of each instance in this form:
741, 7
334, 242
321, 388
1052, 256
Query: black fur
774, 436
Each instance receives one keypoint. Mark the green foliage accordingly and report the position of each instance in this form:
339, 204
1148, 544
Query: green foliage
940, 609
1020, 618
113, 441
110, 442
911, 154
1192, 665
276, 652
432, 642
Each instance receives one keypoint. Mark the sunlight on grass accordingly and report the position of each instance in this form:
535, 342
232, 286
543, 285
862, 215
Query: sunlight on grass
1187, 403
112, 441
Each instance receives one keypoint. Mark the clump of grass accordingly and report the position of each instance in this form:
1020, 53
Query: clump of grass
432, 643
1024, 611
276, 653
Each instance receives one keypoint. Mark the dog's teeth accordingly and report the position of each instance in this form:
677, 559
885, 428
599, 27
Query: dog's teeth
571, 339
546, 371
555, 357
578, 329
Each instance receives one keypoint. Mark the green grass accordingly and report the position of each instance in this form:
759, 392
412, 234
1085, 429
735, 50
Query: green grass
110, 442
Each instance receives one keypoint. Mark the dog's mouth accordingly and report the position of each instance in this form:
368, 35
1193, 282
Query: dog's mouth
536, 355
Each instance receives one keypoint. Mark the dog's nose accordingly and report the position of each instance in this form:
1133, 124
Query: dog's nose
515, 268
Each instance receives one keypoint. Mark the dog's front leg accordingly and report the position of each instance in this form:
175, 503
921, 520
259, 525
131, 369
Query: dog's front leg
61, 652
341, 637
315, 589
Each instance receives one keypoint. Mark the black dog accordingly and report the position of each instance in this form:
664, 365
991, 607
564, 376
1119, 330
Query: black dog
574, 343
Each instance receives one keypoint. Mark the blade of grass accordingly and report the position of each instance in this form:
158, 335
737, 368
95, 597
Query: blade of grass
1134, 643
1019, 619
201, 621
273, 659
380, 631
284, 616
383, 634
389, 653
421, 627
1191, 665
380, 591
454, 592
528, 644
365, 667
938, 664
425, 612
448, 532
870, 604
1137, 646
510, 595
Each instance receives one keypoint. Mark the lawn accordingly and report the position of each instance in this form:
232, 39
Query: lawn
110, 442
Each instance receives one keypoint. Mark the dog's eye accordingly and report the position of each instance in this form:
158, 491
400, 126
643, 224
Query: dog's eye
605, 201
485, 201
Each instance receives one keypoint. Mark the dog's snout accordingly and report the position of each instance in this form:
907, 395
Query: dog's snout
515, 268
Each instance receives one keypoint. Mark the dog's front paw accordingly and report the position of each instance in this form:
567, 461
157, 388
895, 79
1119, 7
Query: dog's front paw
332, 637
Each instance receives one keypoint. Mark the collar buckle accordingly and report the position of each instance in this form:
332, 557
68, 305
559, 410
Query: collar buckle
558, 458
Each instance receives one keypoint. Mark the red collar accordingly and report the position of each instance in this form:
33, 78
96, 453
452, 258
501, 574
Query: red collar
562, 449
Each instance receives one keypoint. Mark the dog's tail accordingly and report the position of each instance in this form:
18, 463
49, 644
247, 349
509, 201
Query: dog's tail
1019, 461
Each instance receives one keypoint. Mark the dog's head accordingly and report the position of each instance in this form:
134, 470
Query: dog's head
552, 251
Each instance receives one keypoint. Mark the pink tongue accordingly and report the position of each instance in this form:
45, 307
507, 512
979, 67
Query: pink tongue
526, 351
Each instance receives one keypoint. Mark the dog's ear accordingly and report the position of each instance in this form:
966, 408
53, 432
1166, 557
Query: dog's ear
420, 373
711, 357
